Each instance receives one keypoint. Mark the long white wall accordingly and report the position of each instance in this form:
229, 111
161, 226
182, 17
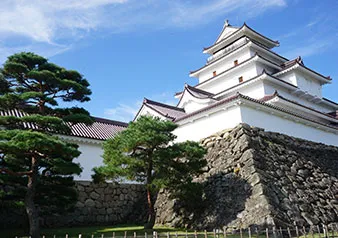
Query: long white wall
275, 123
225, 119
208, 125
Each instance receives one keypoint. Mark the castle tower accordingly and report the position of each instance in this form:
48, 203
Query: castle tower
245, 81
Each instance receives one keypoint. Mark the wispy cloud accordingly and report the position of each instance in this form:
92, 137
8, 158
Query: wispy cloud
58, 24
127, 111
313, 38
123, 112
314, 48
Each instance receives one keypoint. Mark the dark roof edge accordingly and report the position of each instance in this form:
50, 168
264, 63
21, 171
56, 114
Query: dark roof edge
108, 121
328, 100
145, 101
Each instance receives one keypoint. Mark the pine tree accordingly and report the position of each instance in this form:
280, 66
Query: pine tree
145, 152
30, 150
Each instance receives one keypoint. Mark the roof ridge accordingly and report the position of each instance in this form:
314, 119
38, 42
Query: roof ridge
146, 100
109, 121
198, 90
276, 94
239, 29
300, 62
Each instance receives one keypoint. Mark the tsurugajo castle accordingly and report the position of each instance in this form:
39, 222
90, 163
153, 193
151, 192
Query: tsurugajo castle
245, 81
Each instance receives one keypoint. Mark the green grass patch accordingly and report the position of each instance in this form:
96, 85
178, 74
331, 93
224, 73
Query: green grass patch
127, 231
97, 231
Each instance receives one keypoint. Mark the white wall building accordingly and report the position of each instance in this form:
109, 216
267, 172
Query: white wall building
88, 137
244, 81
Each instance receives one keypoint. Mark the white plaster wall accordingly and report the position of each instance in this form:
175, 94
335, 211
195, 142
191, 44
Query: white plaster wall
230, 79
255, 90
309, 85
225, 119
260, 67
208, 125
270, 89
192, 106
224, 64
227, 31
289, 77
90, 157
286, 126
146, 111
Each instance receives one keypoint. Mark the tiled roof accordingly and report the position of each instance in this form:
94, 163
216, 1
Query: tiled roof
299, 61
239, 29
101, 129
240, 47
165, 110
276, 94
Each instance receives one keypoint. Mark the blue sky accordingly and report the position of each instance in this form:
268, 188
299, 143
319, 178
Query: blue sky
130, 49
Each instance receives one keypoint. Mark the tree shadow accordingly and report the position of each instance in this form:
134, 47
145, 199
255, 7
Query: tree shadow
224, 197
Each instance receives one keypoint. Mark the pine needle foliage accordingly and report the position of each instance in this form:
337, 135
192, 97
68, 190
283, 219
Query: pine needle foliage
36, 166
146, 152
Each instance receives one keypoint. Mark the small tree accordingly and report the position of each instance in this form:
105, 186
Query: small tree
30, 151
145, 152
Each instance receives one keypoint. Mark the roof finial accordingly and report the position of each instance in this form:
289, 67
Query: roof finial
226, 23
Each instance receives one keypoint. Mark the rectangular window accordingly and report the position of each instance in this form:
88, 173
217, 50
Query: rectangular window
240, 79
236, 62
214, 73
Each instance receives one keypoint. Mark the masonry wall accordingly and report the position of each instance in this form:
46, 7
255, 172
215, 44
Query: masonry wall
98, 204
260, 178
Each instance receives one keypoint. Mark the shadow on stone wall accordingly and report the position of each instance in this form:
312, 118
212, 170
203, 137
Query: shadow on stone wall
224, 196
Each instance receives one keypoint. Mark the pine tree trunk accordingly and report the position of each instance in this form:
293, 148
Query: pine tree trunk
151, 212
32, 212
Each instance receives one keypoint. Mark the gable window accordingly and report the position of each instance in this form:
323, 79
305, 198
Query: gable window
240, 79
214, 73
236, 62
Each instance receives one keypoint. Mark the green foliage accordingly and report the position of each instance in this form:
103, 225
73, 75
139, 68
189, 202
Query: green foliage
145, 152
150, 140
31, 157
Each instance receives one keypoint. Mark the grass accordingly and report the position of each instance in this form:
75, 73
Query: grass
127, 231
97, 231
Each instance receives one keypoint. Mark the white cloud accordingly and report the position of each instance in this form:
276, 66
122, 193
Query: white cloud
307, 50
123, 112
63, 22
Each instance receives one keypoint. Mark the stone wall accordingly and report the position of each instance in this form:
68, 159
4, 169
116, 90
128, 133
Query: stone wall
260, 178
98, 204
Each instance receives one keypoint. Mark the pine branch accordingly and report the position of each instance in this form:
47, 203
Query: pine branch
10, 172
